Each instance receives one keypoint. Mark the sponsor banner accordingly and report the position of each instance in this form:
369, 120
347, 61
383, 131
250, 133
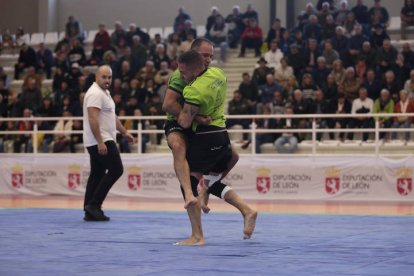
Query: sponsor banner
298, 178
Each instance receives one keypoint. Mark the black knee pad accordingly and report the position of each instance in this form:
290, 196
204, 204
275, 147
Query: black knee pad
218, 188
194, 185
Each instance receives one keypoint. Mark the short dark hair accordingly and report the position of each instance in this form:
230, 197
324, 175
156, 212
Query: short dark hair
198, 41
191, 58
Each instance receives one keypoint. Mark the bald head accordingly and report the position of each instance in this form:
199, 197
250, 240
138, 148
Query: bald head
104, 77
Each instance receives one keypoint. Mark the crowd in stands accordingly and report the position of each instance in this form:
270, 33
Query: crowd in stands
336, 60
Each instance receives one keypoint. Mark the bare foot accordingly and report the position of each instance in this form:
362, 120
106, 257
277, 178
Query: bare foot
203, 198
192, 241
189, 201
249, 224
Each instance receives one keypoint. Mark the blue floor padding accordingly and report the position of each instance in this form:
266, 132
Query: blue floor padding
58, 242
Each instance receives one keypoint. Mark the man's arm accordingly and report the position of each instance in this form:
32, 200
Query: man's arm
124, 132
171, 102
186, 116
93, 116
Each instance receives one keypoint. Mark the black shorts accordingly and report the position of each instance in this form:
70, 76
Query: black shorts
173, 126
209, 152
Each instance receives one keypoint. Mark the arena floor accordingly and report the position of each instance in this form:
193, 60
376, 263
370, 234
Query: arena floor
46, 236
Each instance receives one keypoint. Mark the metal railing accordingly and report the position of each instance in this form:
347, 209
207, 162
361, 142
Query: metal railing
253, 130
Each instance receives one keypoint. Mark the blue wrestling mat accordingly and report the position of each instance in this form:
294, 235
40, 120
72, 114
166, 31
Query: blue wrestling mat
58, 242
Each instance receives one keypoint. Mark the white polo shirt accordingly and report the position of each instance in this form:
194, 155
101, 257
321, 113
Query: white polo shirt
99, 98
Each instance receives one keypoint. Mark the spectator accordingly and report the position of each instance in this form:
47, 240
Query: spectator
124, 142
273, 56
360, 68
160, 56
321, 72
321, 4
188, 29
262, 138
76, 53
251, 38
372, 85
361, 105
304, 15
250, 14
184, 45
76, 138
295, 60
236, 26
338, 72
320, 106
138, 53
329, 88
61, 139
218, 35
341, 14
6, 79
144, 137
392, 85
27, 58
329, 54
308, 87
301, 106
102, 41
4, 92
266, 90
340, 42
148, 72
339, 106
329, 28
313, 30
73, 29
284, 42
369, 55
118, 34
211, 20
260, 73
45, 59
361, 12
323, 13
154, 108
311, 55
386, 56
379, 14
162, 74
249, 91
378, 36
21, 37
290, 86
409, 86
276, 32
24, 139
407, 17
134, 30
350, 86
174, 45
31, 96
405, 105
288, 141
355, 46
384, 104
180, 19
285, 72
238, 106
31, 73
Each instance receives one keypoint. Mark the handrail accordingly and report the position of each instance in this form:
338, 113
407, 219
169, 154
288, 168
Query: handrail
253, 130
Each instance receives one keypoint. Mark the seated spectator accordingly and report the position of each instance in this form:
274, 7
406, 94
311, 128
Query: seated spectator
305, 14
372, 85
124, 142
154, 108
236, 26
407, 17
301, 106
238, 106
174, 45
350, 23
160, 56
354, 46
76, 138
148, 72
339, 105
288, 141
330, 54
290, 86
361, 12
4, 92
24, 139
188, 29
311, 55
329, 28
134, 30
284, 72
361, 105
218, 35
379, 14
361, 69
378, 36
329, 88
118, 34
405, 105
320, 106
278, 103
392, 84
251, 38
250, 91
76, 53
144, 137
184, 45
321, 3
27, 58
262, 138
295, 60
308, 87
7, 41
162, 74
260, 73
276, 32
102, 41
31, 73
338, 72
384, 104
61, 140
45, 59
369, 55
31, 96
321, 72
285, 42
73, 29
266, 91
323, 13
401, 69
21, 37
6, 79
211, 19
273, 56
312, 30
350, 86
180, 19
341, 14
409, 86
340, 42
10, 141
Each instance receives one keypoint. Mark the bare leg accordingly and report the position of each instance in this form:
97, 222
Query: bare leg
248, 213
178, 147
197, 236
203, 197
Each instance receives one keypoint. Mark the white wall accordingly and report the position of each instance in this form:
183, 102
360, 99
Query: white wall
150, 13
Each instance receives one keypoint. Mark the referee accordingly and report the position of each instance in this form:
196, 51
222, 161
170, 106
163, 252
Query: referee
100, 124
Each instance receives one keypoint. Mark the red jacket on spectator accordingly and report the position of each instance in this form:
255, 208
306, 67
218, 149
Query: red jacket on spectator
410, 109
252, 32
102, 40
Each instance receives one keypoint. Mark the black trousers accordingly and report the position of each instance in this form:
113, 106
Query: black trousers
105, 171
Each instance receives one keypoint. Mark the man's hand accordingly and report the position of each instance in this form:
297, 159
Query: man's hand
203, 120
131, 139
102, 149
